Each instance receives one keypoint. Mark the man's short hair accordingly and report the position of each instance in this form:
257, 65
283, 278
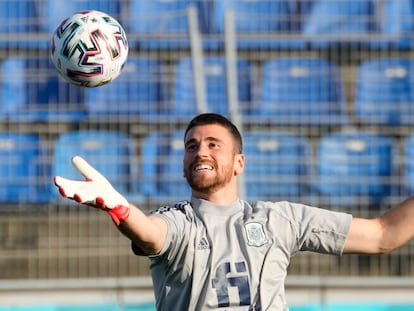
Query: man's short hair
214, 118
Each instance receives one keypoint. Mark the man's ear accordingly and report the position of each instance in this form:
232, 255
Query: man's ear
239, 164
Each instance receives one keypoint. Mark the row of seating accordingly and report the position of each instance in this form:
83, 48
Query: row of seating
307, 91
347, 167
163, 24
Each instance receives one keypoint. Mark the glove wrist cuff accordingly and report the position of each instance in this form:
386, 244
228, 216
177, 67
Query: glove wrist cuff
119, 213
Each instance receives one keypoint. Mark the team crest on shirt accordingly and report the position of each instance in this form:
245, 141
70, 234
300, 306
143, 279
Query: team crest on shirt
255, 233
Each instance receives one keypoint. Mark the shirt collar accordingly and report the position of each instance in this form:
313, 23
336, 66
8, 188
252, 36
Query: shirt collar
207, 207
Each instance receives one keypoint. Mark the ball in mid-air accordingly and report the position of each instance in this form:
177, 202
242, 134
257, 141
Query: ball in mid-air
89, 48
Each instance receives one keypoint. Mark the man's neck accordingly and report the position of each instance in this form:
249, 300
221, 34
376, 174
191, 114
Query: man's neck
222, 197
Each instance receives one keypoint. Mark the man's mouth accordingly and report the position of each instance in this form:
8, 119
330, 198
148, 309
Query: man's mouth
203, 167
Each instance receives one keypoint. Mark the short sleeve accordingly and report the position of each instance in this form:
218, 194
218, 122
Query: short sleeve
176, 217
318, 230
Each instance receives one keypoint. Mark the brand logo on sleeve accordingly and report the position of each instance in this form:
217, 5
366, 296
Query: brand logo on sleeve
203, 244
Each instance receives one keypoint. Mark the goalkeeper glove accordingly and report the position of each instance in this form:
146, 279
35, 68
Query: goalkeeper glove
95, 191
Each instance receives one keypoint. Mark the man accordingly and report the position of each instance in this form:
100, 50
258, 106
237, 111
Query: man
218, 252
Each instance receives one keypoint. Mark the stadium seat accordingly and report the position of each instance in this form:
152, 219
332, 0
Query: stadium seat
32, 91
184, 96
300, 91
20, 24
139, 92
262, 24
55, 11
408, 164
25, 174
111, 153
162, 169
355, 168
277, 165
160, 24
384, 92
336, 23
396, 24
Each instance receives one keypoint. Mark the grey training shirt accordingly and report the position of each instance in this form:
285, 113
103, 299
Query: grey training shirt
235, 257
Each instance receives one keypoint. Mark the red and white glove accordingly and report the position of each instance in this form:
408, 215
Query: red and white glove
95, 191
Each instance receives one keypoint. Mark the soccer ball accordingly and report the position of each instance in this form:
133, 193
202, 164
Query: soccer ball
89, 49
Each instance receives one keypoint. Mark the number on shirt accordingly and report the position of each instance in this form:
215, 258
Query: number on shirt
226, 278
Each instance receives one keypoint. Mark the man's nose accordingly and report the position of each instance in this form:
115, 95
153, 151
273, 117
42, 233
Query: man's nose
202, 150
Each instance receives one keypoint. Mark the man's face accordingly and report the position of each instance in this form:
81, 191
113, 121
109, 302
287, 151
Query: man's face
210, 160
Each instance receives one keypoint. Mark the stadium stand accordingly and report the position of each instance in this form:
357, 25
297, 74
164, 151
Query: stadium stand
112, 153
19, 25
340, 23
55, 11
162, 155
34, 92
408, 164
300, 91
278, 165
25, 174
384, 92
355, 167
140, 93
330, 80
262, 24
184, 97
163, 24
395, 24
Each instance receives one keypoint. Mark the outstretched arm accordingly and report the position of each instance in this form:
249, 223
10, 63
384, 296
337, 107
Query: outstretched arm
147, 232
383, 234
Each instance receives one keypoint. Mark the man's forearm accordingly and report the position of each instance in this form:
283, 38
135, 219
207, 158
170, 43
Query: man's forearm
147, 232
398, 225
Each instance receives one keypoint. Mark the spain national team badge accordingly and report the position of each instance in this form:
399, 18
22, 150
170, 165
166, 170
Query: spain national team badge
255, 233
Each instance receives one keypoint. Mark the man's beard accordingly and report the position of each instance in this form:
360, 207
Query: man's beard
209, 185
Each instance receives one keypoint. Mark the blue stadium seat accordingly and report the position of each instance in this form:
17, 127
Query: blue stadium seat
408, 167
33, 91
160, 24
277, 165
262, 24
300, 91
384, 92
340, 23
396, 24
140, 91
162, 169
25, 174
55, 11
111, 153
184, 97
355, 167
20, 24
